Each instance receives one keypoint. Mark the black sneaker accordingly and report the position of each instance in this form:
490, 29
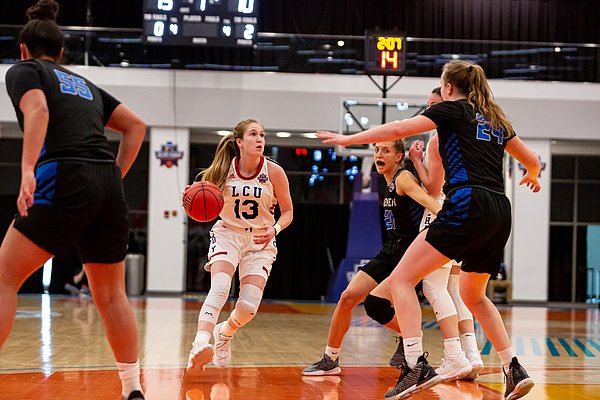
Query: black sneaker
135, 395
398, 359
326, 366
518, 383
411, 381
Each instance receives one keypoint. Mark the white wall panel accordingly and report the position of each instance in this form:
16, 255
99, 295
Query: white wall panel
531, 230
166, 218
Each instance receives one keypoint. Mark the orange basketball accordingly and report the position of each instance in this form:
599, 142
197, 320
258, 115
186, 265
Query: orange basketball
203, 201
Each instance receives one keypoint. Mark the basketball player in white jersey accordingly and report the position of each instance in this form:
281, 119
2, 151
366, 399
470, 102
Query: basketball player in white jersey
431, 174
243, 237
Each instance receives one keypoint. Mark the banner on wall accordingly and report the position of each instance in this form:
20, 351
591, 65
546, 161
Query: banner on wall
168, 154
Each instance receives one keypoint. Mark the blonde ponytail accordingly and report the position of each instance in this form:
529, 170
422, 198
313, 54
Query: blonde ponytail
471, 81
217, 171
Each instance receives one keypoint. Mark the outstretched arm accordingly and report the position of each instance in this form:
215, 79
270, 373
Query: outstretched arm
516, 148
382, 133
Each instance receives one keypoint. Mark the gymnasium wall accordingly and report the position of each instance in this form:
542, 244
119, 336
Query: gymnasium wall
305, 102
541, 111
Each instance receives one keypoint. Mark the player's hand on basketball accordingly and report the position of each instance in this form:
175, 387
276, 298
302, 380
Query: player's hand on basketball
531, 182
185, 189
415, 153
333, 138
25, 199
264, 235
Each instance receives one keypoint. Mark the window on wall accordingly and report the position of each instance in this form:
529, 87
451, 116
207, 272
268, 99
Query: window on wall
574, 226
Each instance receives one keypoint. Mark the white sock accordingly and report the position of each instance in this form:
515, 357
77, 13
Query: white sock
506, 357
130, 377
202, 337
413, 349
452, 347
227, 330
469, 343
333, 352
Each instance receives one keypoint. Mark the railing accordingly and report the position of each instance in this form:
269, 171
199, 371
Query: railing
340, 54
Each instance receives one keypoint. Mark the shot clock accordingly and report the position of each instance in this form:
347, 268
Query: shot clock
200, 22
385, 53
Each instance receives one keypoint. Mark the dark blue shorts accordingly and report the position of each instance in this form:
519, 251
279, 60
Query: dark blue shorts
78, 203
473, 227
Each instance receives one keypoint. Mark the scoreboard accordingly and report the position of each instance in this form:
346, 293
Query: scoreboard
385, 53
200, 22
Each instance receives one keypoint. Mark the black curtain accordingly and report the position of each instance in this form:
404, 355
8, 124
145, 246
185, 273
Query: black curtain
524, 20
302, 268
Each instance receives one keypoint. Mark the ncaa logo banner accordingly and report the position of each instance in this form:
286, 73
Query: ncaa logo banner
168, 154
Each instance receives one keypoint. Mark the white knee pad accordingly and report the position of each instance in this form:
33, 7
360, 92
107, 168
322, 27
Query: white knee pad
436, 291
459, 304
246, 306
216, 298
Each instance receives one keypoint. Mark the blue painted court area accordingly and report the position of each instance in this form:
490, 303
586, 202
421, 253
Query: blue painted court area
555, 347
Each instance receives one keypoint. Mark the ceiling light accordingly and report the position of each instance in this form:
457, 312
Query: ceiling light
223, 133
283, 134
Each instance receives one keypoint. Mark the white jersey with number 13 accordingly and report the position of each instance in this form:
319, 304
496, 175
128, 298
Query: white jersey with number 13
249, 200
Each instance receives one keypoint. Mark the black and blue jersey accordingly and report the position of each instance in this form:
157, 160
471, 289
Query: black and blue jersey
401, 214
79, 198
474, 222
78, 110
471, 151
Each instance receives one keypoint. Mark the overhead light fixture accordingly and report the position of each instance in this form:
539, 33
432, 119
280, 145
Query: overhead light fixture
223, 133
348, 120
340, 43
283, 134
310, 135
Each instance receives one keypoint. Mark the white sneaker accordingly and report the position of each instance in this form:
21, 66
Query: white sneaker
200, 355
454, 368
222, 356
476, 364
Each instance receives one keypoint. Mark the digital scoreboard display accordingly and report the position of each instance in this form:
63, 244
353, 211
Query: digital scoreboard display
385, 53
200, 22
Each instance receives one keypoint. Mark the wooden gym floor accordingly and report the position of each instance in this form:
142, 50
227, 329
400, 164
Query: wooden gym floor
57, 350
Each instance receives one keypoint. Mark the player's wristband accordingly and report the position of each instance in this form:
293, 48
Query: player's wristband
277, 228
